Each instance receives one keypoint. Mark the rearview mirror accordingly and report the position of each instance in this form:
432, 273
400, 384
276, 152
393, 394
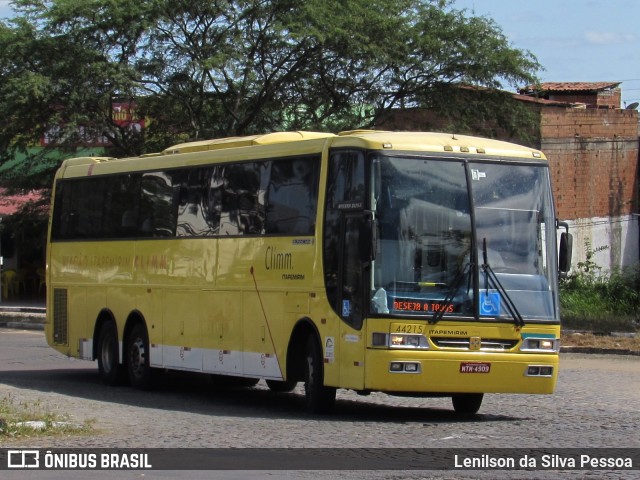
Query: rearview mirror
564, 249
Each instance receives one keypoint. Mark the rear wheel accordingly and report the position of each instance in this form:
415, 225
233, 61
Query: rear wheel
108, 358
319, 399
137, 353
467, 403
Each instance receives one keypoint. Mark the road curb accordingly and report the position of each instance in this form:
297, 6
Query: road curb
22, 325
24, 318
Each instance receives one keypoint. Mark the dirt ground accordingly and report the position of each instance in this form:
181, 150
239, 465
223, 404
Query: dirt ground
601, 341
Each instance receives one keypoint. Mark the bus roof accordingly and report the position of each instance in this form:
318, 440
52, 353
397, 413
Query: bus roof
435, 142
277, 142
372, 139
248, 141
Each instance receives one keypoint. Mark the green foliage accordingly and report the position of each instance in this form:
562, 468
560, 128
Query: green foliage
591, 300
202, 69
25, 420
589, 269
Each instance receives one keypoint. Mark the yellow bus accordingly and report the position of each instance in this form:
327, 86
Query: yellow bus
408, 263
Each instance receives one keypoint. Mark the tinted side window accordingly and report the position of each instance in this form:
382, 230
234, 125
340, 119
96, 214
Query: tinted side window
158, 208
197, 211
121, 206
248, 198
242, 202
100, 207
292, 196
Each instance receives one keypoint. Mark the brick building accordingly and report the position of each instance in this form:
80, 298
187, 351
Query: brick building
592, 147
592, 94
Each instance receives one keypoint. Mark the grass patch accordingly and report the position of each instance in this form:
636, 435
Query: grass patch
28, 420
591, 300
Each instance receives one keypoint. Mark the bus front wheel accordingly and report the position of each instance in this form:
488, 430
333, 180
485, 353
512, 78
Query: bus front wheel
319, 399
138, 357
108, 362
467, 403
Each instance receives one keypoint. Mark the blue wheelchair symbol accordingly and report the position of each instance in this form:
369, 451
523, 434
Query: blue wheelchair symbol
490, 304
346, 308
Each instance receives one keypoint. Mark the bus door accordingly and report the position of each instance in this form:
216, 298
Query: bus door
352, 275
344, 271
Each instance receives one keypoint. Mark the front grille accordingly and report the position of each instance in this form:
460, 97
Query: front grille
465, 343
60, 317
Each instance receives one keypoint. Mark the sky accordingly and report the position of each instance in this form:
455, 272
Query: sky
574, 40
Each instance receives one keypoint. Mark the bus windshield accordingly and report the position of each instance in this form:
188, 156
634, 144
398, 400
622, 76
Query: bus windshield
461, 239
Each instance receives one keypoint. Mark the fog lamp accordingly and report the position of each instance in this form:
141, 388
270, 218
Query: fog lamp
404, 367
410, 367
546, 371
396, 367
539, 371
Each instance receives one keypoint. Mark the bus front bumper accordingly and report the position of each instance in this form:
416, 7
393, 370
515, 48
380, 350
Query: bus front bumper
407, 371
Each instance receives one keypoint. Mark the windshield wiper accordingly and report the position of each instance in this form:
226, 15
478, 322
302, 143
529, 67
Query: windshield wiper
491, 276
451, 292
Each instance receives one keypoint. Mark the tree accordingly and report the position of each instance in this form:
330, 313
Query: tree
208, 68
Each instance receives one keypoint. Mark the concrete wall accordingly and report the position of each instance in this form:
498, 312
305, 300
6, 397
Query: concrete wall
618, 235
593, 156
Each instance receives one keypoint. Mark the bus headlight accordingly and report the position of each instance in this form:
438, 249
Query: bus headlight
399, 340
408, 341
533, 344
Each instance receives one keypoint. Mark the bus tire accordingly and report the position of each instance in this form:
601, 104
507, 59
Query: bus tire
109, 367
467, 403
281, 385
137, 354
318, 398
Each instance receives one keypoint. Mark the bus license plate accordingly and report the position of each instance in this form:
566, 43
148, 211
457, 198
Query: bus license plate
475, 367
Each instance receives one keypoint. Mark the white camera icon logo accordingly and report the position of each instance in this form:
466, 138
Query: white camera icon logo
23, 459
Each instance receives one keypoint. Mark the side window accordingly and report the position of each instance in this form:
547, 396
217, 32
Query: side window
121, 217
92, 204
158, 210
64, 220
197, 215
345, 201
248, 198
242, 206
95, 208
292, 196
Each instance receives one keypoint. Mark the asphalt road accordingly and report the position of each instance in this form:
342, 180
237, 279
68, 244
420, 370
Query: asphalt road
596, 405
